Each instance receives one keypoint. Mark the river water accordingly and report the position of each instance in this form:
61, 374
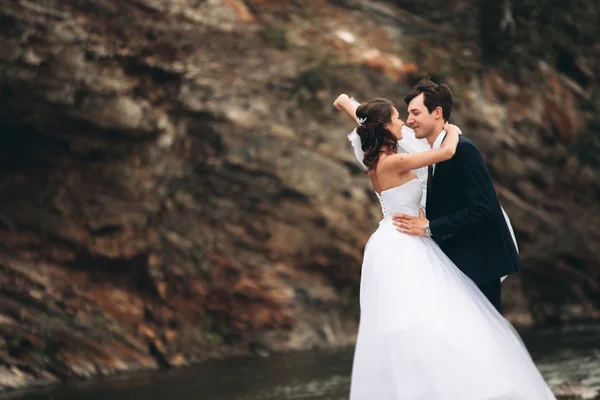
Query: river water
563, 354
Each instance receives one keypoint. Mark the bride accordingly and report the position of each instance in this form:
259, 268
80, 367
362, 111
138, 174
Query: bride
426, 332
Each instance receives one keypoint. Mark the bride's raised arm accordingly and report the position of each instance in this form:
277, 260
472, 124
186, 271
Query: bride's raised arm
407, 162
343, 102
415, 157
348, 104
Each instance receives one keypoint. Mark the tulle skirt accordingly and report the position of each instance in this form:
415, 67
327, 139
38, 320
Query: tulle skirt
427, 333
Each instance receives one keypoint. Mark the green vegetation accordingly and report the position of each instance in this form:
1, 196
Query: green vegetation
562, 33
550, 30
213, 338
276, 36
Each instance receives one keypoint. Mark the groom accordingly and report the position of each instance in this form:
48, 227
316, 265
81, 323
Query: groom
463, 212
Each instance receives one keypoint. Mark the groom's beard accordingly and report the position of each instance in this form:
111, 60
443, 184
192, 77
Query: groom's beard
423, 133
419, 134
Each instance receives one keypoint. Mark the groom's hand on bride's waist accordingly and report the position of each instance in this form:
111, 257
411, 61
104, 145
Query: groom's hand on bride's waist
411, 225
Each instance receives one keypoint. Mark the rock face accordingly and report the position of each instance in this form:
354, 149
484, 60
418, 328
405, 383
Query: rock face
176, 186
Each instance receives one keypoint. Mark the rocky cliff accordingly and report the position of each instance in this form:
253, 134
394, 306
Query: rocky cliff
176, 186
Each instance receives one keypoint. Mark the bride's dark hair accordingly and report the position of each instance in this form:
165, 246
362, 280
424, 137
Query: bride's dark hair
374, 114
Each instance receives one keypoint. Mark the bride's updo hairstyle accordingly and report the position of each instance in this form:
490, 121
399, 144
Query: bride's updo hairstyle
372, 116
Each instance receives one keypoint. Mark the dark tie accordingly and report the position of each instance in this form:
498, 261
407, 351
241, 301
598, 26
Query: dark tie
429, 178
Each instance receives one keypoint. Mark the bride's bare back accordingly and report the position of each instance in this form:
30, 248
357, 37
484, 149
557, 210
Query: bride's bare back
383, 177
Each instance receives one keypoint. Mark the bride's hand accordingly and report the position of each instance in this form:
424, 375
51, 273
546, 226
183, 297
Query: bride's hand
338, 102
451, 142
448, 126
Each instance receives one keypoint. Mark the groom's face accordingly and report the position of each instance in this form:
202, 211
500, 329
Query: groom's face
419, 118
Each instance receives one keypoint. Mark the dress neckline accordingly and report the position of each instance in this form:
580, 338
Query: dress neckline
396, 187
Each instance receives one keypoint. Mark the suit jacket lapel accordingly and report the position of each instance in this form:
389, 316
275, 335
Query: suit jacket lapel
429, 200
436, 180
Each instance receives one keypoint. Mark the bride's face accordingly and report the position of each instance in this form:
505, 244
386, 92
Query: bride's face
396, 124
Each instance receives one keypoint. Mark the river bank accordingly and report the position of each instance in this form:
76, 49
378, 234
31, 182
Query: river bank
569, 359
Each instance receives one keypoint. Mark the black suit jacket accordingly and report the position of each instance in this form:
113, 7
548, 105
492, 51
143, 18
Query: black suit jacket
466, 219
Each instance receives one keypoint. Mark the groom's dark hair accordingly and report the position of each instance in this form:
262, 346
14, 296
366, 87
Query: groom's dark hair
435, 96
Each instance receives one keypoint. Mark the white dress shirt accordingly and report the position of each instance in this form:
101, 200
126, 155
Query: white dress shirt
438, 143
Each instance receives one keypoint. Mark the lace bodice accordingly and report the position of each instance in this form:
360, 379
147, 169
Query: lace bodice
405, 199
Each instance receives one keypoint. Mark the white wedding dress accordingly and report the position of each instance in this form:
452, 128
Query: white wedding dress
426, 331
